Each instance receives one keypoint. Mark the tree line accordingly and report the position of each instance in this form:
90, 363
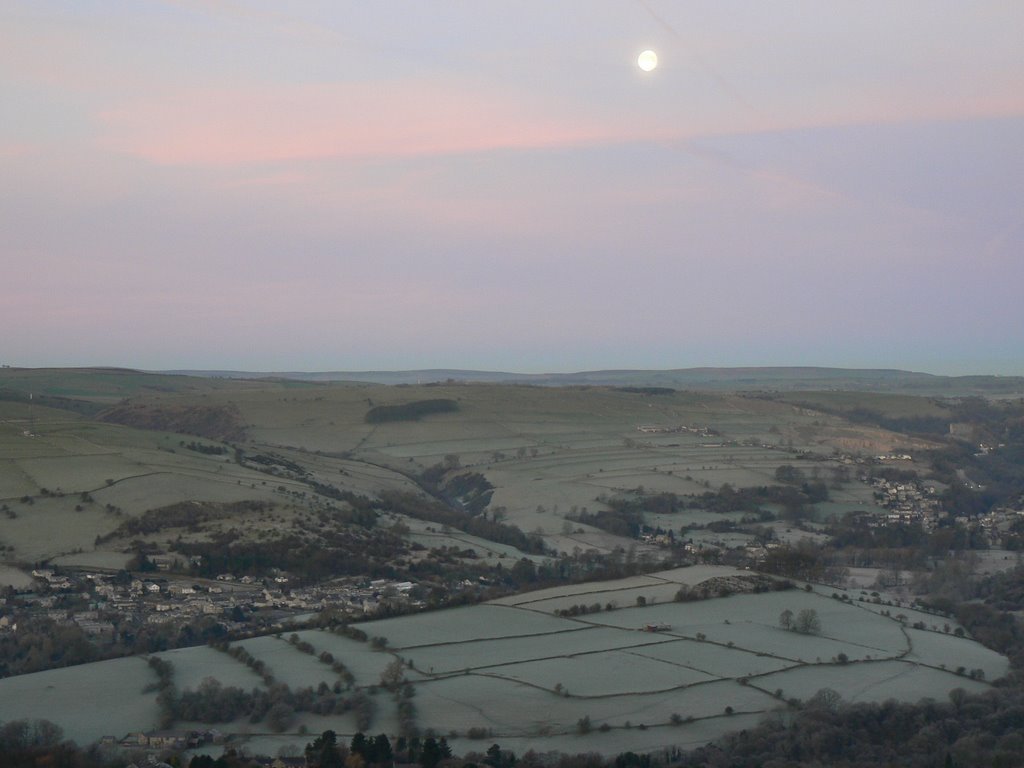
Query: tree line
413, 411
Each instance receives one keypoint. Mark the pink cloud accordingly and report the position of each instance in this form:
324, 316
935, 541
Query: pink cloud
10, 150
223, 126
936, 100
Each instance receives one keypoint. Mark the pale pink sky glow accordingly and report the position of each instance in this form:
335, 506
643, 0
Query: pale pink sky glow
273, 123
341, 185
398, 119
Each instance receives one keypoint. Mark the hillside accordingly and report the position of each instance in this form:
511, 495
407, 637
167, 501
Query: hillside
545, 452
244, 506
721, 379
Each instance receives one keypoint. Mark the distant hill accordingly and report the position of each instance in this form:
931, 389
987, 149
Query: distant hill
113, 384
720, 379
101, 385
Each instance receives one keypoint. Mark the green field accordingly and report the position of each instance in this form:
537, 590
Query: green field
546, 451
886, 403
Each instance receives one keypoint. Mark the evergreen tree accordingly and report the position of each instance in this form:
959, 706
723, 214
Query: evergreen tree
430, 754
323, 751
383, 752
358, 746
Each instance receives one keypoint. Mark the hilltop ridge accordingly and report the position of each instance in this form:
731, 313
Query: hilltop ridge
720, 378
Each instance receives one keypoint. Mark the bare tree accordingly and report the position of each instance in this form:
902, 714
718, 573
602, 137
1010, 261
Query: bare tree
807, 622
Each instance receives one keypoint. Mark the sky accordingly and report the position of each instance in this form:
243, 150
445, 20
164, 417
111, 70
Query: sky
342, 185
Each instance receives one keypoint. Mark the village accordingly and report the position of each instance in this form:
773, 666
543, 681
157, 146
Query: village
907, 502
913, 502
109, 606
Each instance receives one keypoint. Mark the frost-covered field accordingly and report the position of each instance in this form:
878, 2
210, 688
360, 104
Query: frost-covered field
713, 659
777, 642
593, 591
617, 598
157, 489
52, 526
481, 654
524, 676
99, 558
840, 621
59, 483
88, 702
14, 577
602, 674
432, 536
364, 662
869, 681
285, 662
193, 665
951, 653
85, 472
458, 625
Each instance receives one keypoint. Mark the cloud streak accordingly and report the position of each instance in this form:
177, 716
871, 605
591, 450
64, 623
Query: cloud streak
257, 124
348, 120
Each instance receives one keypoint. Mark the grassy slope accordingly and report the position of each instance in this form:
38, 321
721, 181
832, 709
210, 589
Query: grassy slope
578, 443
133, 470
721, 379
106, 384
887, 404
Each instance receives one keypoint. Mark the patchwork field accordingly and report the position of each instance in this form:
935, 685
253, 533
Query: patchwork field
193, 665
521, 675
868, 681
364, 662
548, 452
637, 668
621, 672
462, 625
73, 480
635, 586
713, 659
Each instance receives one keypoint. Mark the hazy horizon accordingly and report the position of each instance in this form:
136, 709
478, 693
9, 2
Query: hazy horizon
484, 371
333, 186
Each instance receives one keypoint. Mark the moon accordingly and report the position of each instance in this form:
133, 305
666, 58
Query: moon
647, 60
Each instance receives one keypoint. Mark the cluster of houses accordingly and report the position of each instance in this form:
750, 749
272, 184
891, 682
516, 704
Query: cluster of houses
996, 522
912, 502
156, 744
655, 429
907, 502
164, 740
100, 603
262, 761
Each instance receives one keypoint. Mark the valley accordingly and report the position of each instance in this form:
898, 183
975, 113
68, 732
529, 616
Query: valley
586, 568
